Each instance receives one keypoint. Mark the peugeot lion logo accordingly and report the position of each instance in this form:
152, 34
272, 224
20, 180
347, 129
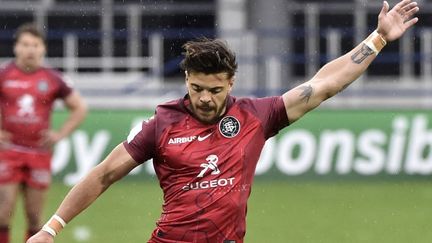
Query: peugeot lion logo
211, 164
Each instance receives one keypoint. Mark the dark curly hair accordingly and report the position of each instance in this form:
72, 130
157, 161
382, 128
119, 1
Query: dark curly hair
208, 56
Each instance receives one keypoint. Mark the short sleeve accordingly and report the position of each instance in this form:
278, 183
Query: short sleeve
141, 140
272, 113
64, 87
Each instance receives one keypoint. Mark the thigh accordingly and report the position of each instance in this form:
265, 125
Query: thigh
36, 182
38, 170
11, 167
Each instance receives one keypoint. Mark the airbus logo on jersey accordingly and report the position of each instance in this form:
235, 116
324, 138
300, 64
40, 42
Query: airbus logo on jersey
182, 140
188, 139
17, 84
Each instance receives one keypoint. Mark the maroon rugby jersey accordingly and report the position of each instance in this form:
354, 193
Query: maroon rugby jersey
26, 101
205, 171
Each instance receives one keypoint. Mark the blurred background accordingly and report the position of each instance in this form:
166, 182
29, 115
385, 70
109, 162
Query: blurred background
133, 47
355, 170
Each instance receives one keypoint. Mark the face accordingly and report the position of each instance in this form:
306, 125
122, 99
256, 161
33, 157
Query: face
208, 93
29, 51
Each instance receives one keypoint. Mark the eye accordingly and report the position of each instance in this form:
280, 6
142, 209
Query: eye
216, 91
197, 88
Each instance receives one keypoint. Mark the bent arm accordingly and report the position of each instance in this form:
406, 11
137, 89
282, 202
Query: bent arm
78, 111
117, 165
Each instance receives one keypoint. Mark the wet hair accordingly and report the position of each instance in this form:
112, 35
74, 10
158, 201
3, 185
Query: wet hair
208, 56
29, 28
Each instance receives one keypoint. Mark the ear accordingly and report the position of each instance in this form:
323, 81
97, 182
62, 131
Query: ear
231, 84
186, 77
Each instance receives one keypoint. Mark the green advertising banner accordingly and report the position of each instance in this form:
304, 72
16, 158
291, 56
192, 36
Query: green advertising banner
325, 144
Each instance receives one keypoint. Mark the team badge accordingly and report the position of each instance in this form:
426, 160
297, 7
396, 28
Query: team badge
42, 85
229, 126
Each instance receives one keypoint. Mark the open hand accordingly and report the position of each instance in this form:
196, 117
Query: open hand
393, 24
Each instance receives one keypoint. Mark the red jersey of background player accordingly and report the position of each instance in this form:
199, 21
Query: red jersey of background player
205, 170
26, 102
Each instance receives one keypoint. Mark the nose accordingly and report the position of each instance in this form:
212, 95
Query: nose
205, 97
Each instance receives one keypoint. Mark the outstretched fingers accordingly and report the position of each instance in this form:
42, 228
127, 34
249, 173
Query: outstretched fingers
411, 9
409, 6
411, 22
384, 9
401, 5
394, 23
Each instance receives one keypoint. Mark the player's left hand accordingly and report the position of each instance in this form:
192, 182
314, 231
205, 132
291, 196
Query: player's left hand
50, 138
393, 24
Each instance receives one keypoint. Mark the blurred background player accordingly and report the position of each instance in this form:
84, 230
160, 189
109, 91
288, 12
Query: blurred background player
27, 94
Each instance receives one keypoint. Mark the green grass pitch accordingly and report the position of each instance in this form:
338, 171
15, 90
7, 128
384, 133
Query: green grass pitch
278, 212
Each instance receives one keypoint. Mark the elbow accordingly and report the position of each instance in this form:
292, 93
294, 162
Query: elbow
326, 88
108, 179
333, 87
83, 109
328, 95
104, 178
78, 111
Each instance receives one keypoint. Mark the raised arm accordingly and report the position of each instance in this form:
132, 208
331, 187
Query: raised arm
341, 72
117, 164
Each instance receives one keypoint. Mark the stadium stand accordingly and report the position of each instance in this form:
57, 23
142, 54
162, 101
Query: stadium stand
135, 45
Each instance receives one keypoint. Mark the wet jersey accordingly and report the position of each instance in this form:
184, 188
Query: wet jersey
26, 102
205, 170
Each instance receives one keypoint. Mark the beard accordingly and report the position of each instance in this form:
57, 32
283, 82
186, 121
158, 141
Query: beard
209, 110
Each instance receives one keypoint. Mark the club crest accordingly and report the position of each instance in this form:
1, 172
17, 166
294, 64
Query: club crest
229, 126
42, 86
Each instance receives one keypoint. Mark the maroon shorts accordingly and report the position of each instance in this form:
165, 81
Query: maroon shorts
26, 167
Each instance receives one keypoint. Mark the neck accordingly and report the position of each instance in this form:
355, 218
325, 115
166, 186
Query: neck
26, 68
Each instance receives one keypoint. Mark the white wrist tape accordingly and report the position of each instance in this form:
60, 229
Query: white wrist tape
59, 219
375, 42
49, 230
54, 225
